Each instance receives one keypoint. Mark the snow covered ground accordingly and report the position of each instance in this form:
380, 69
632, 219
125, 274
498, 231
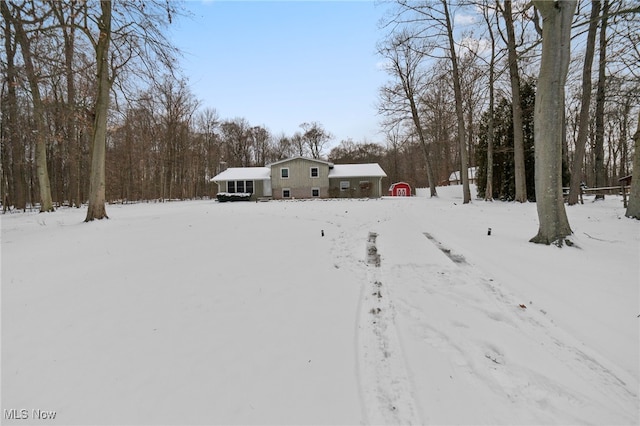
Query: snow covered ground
243, 313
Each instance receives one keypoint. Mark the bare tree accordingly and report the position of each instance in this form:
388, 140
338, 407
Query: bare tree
585, 103
66, 13
97, 184
236, 138
315, 137
464, 153
399, 100
13, 186
518, 134
600, 101
207, 125
488, 192
138, 39
14, 16
549, 119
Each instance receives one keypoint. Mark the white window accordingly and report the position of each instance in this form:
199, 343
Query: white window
315, 192
314, 172
344, 185
284, 173
286, 193
240, 186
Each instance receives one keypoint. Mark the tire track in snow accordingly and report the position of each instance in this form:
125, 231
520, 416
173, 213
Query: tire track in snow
387, 391
507, 373
344, 258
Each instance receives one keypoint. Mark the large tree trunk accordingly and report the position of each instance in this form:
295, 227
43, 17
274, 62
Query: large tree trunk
633, 207
40, 132
518, 133
600, 92
583, 124
97, 182
549, 119
464, 154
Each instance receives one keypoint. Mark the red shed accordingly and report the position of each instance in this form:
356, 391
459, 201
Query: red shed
400, 189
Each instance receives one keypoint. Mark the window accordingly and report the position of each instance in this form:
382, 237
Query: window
315, 192
234, 186
284, 173
344, 185
286, 193
315, 172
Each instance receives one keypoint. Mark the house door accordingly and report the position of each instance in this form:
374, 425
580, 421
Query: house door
401, 192
266, 187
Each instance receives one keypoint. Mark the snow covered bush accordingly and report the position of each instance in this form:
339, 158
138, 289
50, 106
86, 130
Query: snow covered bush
235, 196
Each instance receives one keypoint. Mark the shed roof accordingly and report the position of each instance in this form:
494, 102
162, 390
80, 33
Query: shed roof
456, 175
356, 170
243, 173
393, 185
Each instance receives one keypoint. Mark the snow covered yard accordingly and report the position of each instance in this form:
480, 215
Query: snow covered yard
242, 313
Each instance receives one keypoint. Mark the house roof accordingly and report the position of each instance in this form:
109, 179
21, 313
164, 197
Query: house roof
243, 173
356, 170
335, 171
286, 160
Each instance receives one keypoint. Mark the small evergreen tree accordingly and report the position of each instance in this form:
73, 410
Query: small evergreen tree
503, 157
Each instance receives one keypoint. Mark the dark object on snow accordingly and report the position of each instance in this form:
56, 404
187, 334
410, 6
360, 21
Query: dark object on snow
322, 232
489, 231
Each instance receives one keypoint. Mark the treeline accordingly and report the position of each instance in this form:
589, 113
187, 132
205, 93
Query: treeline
463, 79
458, 96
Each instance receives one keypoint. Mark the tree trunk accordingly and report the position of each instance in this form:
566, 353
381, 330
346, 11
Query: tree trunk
423, 143
633, 207
46, 202
599, 142
549, 119
14, 187
97, 209
488, 192
72, 140
583, 123
464, 155
518, 133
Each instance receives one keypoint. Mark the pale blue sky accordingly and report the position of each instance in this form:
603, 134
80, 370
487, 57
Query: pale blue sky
282, 63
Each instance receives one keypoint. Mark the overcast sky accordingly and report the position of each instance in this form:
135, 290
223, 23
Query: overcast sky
279, 64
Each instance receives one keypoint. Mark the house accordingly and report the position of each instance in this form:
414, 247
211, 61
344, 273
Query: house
400, 189
301, 177
454, 178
